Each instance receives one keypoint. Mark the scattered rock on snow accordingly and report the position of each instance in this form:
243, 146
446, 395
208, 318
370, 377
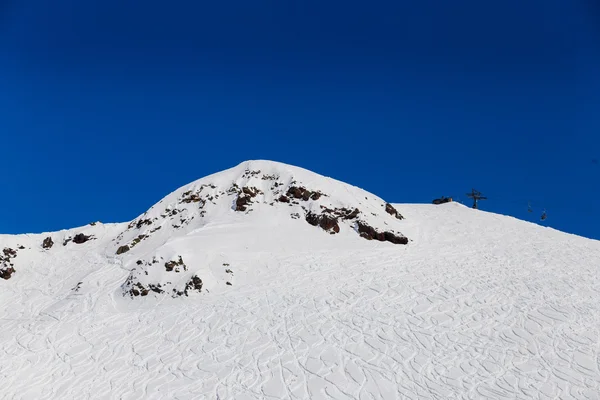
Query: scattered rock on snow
173, 265
47, 243
6, 272
392, 211
81, 238
368, 232
194, 284
123, 249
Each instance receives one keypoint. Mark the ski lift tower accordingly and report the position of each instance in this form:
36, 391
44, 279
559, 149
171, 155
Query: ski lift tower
476, 196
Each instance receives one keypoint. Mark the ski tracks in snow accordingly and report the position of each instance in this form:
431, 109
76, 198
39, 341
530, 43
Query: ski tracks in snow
472, 322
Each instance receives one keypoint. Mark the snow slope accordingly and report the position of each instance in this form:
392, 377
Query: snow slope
263, 298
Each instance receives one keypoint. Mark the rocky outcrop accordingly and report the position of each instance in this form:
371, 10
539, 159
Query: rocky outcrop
325, 221
47, 243
9, 253
123, 249
392, 211
80, 238
6, 272
245, 198
368, 232
194, 284
299, 192
7, 268
175, 265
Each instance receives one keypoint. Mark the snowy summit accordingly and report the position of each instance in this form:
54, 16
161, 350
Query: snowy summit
268, 281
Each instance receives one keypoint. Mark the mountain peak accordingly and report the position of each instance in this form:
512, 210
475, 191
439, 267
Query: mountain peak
271, 202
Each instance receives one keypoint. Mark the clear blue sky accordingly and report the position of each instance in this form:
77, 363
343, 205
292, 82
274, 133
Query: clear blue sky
107, 106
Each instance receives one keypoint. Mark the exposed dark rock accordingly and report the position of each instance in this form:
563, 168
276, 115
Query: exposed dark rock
173, 265
245, 198
138, 239
242, 202
138, 289
155, 288
296, 192
250, 191
143, 222
7, 268
324, 221
228, 283
370, 233
81, 238
353, 214
66, 241
9, 253
21, 247
299, 192
248, 173
393, 238
47, 243
284, 199
6, 273
442, 200
228, 271
194, 284
392, 211
123, 249
189, 197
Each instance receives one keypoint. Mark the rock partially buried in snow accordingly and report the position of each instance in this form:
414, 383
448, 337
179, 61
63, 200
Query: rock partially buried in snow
80, 238
392, 211
6, 265
123, 249
47, 243
6, 272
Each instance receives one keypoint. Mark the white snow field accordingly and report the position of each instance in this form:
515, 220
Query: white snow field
475, 305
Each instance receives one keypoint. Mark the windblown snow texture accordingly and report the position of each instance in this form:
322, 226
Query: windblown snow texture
267, 281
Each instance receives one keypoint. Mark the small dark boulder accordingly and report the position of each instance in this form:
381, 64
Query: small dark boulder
442, 200
9, 253
172, 265
47, 243
123, 249
81, 238
143, 222
6, 273
194, 284
242, 202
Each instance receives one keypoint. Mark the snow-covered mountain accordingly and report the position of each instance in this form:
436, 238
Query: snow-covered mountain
270, 281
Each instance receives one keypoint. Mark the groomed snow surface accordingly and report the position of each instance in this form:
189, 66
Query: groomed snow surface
475, 306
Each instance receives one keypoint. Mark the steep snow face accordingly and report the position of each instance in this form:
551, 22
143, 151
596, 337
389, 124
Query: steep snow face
476, 305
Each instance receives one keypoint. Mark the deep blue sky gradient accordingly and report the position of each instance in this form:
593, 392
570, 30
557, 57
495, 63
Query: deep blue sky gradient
107, 106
